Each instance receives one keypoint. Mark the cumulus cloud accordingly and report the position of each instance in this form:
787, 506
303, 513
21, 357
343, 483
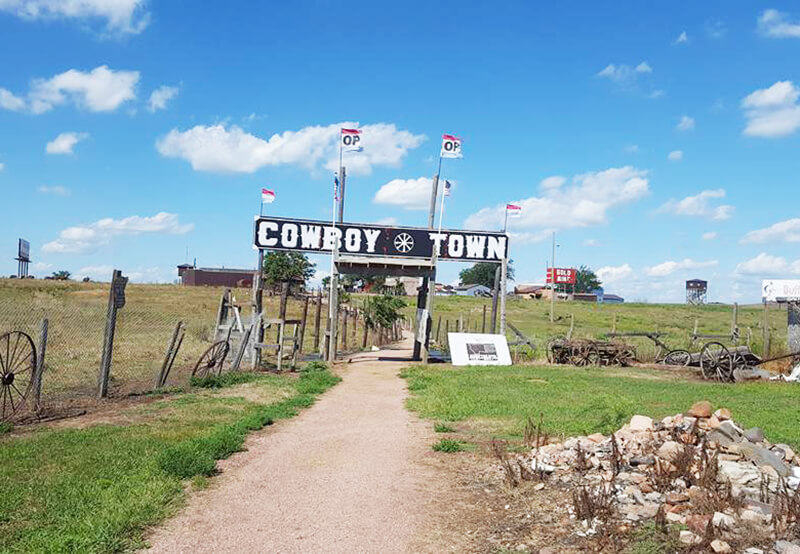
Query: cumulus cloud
120, 16
772, 112
411, 194
160, 97
683, 38
670, 267
64, 143
675, 155
783, 231
775, 24
699, 205
767, 265
8, 101
83, 239
2, 166
711, 235
231, 149
136, 275
56, 190
686, 123
613, 274
99, 90
583, 201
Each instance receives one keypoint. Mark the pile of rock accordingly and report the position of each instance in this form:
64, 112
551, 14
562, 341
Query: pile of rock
728, 486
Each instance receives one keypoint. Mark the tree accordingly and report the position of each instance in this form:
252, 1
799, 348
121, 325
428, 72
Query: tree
383, 311
61, 275
482, 273
586, 280
292, 267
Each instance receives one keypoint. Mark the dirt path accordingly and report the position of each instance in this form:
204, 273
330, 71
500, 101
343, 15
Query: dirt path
354, 473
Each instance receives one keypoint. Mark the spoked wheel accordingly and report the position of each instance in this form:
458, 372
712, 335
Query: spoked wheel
580, 355
593, 356
716, 362
17, 366
625, 357
210, 363
678, 357
554, 350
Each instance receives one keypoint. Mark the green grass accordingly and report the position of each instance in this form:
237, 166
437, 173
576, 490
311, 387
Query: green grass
448, 445
97, 489
498, 400
224, 380
443, 428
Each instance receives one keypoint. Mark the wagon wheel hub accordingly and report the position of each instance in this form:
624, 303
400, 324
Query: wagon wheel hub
8, 379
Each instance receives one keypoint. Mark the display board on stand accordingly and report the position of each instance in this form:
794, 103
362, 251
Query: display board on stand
478, 349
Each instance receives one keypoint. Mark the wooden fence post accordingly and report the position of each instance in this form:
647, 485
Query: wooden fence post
167, 356
767, 345
37, 383
345, 313
366, 335
317, 316
483, 320
116, 300
303, 321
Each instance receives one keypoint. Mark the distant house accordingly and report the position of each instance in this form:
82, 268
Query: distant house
612, 299
402, 286
444, 290
472, 290
585, 297
530, 291
215, 277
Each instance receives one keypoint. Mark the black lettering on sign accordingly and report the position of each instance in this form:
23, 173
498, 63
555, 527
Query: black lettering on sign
274, 233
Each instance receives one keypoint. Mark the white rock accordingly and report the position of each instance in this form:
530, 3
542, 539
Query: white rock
740, 474
669, 450
675, 518
721, 547
786, 547
687, 537
751, 516
641, 423
723, 520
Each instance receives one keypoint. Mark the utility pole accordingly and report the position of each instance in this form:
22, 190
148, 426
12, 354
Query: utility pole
428, 288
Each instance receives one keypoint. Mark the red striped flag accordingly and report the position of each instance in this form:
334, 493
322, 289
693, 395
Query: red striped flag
513, 210
267, 196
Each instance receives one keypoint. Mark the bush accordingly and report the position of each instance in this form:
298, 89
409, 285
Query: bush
448, 445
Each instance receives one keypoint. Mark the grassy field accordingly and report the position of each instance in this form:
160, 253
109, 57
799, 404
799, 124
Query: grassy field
495, 401
97, 489
532, 317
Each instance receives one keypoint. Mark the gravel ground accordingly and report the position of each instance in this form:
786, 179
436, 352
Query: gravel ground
354, 473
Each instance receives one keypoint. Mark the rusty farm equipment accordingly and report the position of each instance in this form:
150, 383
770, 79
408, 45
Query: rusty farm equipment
584, 352
718, 362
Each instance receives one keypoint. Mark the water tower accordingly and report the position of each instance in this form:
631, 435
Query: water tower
696, 292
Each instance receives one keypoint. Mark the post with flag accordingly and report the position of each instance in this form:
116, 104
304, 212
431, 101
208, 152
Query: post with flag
512, 210
267, 197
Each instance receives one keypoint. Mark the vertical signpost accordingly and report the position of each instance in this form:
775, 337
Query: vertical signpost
23, 257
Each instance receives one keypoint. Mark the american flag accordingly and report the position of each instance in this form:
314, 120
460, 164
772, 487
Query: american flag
447, 186
335, 187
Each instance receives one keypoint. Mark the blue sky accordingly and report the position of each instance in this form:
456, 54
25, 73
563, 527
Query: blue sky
659, 141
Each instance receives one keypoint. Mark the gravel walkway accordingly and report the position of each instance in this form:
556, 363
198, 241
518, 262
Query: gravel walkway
350, 474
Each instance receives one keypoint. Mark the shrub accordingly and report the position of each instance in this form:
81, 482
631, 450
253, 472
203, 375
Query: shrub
448, 445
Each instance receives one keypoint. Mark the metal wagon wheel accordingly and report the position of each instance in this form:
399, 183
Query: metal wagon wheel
716, 362
17, 365
678, 357
210, 363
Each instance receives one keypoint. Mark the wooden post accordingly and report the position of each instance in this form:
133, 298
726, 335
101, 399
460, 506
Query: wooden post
483, 320
571, 326
116, 300
735, 322
460, 323
317, 317
258, 312
345, 313
495, 298
447, 327
160, 377
614, 324
37, 383
438, 328
366, 335
503, 286
303, 321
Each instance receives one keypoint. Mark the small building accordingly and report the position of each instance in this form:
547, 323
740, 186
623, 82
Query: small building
402, 286
612, 299
444, 290
215, 277
472, 290
529, 291
585, 297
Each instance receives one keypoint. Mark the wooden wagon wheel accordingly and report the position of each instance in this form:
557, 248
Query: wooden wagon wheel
210, 363
625, 356
716, 362
554, 348
579, 354
678, 357
593, 355
17, 366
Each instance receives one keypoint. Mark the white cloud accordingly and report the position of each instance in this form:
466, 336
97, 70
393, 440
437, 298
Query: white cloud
56, 190
64, 143
585, 201
83, 239
631, 148
774, 24
160, 97
411, 194
656, 94
2, 166
711, 235
699, 206
41, 266
716, 28
611, 274
683, 38
783, 231
591, 242
386, 221
136, 275
686, 123
220, 149
675, 155
10, 102
772, 112
767, 265
670, 267
99, 90
120, 16
623, 73
644, 67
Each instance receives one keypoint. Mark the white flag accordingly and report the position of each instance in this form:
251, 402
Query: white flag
351, 140
451, 147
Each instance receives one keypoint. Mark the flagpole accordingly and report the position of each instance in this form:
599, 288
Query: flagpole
505, 221
334, 281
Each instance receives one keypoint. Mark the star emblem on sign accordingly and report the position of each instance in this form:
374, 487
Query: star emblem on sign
404, 243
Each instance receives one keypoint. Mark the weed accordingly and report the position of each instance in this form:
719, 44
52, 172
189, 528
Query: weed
448, 445
443, 428
6, 427
199, 482
315, 365
224, 380
596, 502
500, 451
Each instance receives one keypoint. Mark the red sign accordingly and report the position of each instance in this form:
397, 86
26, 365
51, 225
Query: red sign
563, 276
